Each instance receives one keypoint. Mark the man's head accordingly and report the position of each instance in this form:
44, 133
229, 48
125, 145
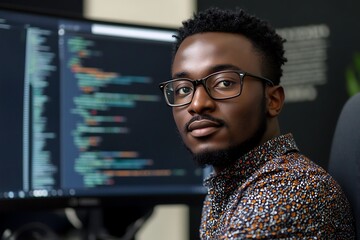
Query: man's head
259, 32
234, 107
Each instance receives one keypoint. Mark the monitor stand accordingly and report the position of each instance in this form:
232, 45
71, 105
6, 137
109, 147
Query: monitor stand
114, 223
111, 223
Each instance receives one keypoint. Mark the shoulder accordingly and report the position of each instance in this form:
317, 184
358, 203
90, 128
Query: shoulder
294, 166
295, 192
295, 173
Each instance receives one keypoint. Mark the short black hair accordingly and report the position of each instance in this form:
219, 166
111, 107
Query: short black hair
258, 31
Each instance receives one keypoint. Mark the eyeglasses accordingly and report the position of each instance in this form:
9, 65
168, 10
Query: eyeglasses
219, 85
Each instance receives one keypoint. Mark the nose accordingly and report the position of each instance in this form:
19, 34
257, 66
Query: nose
201, 101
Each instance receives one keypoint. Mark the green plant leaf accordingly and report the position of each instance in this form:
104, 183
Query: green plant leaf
352, 76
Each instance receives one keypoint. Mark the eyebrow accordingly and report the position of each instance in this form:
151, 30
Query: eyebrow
222, 67
213, 69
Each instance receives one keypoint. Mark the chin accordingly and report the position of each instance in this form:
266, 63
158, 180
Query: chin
207, 148
216, 157
223, 156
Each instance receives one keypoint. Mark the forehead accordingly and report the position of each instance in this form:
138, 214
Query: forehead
202, 52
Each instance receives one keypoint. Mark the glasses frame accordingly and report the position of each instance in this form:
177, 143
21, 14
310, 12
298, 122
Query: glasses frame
202, 81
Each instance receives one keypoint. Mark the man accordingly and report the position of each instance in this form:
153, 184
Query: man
226, 98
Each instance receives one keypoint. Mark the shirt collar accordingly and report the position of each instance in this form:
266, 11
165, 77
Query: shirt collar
252, 161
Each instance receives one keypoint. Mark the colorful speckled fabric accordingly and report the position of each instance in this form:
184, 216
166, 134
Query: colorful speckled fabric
274, 192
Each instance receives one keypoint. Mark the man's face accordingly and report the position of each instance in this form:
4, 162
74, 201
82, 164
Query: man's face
209, 126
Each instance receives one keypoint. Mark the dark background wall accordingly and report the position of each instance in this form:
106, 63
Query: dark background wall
63, 7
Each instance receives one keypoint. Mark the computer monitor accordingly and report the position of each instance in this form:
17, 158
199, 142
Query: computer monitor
83, 122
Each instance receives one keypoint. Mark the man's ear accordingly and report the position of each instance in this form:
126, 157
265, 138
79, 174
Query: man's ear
275, 100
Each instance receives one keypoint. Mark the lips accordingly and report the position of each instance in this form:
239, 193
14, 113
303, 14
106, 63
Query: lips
203, 127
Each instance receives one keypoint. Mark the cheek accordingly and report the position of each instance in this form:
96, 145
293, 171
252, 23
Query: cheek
179, 119
243, 121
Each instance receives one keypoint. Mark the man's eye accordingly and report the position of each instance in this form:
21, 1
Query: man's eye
183, 91
225, 84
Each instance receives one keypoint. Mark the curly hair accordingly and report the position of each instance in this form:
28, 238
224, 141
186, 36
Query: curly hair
264, 38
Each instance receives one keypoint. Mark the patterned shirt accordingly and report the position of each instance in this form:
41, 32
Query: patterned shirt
274, 192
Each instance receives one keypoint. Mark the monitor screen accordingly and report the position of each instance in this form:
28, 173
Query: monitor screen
83, 121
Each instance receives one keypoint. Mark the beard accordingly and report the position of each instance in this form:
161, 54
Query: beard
227, 157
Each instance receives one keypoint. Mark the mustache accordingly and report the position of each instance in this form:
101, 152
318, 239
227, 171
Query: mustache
202, 117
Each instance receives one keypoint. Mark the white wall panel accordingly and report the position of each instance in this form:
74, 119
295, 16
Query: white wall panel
167, 13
